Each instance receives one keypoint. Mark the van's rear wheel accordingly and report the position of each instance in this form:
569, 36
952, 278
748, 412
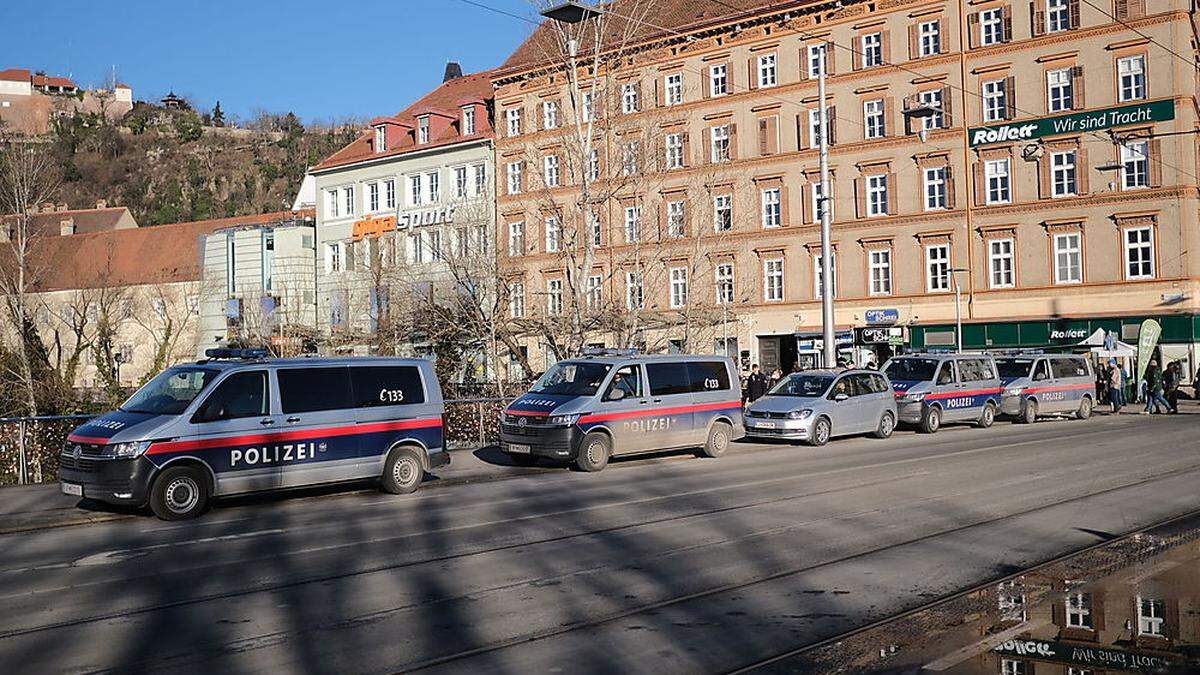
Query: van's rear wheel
179, 493
931, 419
718, 440
887, 424
988, 416
1085, 408
594, 452
402, 472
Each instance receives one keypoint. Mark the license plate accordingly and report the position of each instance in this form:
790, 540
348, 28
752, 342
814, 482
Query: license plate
72, 489
518, 448
765, 425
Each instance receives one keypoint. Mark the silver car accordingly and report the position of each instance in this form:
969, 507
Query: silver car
816, 405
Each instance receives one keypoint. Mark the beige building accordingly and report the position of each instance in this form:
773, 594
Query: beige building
29, 102
1040, 157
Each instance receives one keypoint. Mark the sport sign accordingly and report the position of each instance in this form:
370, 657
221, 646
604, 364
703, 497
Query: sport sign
1091, 120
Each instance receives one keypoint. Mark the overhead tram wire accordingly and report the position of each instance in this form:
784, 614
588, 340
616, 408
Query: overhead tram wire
1181, 57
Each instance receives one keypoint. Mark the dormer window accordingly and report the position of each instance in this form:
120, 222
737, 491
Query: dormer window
380, 138
423, 129
468, 120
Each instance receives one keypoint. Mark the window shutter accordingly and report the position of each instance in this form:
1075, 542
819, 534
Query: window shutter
947, 108
1037, 18
1006, 20
1077, 88
889, 105
1073, 13
328, 259
909, 102
762, 137
783, 206
1058, 613
1171, 620
973, 30
885, 46
980, 188
706, 84
1081, 169
914, 40
860, 201
637, 88
1154, 149
773, 134
857, 45
830, 58
1098, 621
1137, 8
733, 142
706, 148
751, 74
1010, 97
658, 91
1043, 176
802, 130
804, 63
806, 202
893, 188
944, 35
1121, 10
831, 124
949, 187
687, 149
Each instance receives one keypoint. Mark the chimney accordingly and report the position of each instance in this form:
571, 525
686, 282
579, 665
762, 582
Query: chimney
102, 203
66, 227
453, 71
61, 207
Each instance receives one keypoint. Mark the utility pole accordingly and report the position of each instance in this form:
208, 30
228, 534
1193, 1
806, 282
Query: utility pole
829, 356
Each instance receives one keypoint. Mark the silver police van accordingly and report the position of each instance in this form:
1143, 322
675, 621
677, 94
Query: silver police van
614, 402
1046, 384
933, 389
239, 422
816, 405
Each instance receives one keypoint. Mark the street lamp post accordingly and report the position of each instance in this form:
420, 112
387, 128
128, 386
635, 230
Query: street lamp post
829, 355
957, 307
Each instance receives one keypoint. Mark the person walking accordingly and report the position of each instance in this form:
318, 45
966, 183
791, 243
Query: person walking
1171, 384
1154, 390
756, 384
1114, 387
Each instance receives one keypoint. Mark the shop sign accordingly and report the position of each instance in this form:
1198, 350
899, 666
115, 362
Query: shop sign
440, 216
1092, 120
878, 317
373, 226
1069, 334
1095, 657
880, 336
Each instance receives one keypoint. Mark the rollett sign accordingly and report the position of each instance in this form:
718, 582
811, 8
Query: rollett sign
1092, 120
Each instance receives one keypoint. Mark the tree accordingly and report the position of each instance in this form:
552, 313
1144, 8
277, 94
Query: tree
218, 116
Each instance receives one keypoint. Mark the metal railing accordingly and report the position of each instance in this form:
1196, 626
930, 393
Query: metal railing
30, 446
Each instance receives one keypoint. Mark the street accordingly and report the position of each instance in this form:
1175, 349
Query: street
674, 565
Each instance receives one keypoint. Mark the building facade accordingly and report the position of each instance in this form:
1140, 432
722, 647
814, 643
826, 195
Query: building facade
29, 101
1039, 158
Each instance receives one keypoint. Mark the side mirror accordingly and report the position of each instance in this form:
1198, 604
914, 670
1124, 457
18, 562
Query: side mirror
615, 394
838, 398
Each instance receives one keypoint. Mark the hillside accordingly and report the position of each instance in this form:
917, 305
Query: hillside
167, 167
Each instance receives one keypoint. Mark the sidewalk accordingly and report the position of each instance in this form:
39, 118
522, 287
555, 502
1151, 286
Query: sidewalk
35, 507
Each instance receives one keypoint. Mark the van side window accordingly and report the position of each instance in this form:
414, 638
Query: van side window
708, 376
314, 389
1069, 367
386, 385
973, 370
629, 380
946, 373
1040, 371
240, 395
668, 378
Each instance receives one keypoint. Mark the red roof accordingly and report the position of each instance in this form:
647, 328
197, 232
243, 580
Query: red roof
84, 220
50, 81
446, 99
15, 75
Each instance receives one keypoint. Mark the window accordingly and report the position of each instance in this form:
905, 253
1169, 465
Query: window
633, 224
1063, 179
767, 76
1079, 610
1059, 94
348, 199
593, 165
240, 395
372, 197
773, 280
819, 202
554, 296
674, 149
935, 188
673, 89
818, 276
230, 263
1058, 16
433, 239
1068, 258
873, 120
376, 386
1135, 165
389, 194
553, 234
596, 230
1151, 616
1139, 253
929, 34
676, 223
1000, 263
816, 56
588, 111
872, 47
433, 187
462, 242
516, 300
933, 99
380, 138
468, 120
481, 179
550, 170
549, 114
460, 182
514, 178
708, 376
333, 256
937, 268
628, 379
668, 378
634, 293
718, 80
516, 238
303, 390
997, 188
723, 213
631, 152
1131, 71
991, 26
331, 204
630, 98
422, 130
995, 101
724, 279
771, 208
679, 287
595, 291
268, 262
879, 262
877, 195
720, 143
513, 117
417, 247
1012, 667
416, 194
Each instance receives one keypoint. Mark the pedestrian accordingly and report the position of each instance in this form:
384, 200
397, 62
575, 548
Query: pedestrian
1171, 382
1153, 383
756, 385
1114, 387
776, 376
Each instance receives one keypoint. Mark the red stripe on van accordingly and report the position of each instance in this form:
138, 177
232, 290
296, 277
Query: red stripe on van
298, 435
528, 413
970, 392
91, 440
1066, 387
650, 412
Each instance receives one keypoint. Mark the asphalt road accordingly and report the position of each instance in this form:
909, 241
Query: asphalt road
675, 566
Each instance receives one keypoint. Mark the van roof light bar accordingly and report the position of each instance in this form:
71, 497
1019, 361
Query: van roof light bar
243, 354
610, 351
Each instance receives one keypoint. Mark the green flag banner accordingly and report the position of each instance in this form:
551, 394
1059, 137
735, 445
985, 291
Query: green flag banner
1148, 336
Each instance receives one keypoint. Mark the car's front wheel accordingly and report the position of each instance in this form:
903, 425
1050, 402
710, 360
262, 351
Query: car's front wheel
887, 425
820, 433
402, 471
594, 452
179, 493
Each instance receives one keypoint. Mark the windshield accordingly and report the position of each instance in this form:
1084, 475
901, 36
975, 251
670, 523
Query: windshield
911, 369
170, 392
1014, 367
572, 379
802, 385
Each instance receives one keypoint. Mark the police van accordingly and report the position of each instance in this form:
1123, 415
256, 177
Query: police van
611, 402
933, 389
1038, 385
239, 422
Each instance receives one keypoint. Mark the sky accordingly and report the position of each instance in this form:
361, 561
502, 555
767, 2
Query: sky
325, 61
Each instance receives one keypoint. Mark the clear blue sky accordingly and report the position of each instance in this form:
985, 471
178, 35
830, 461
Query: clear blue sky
322, 60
